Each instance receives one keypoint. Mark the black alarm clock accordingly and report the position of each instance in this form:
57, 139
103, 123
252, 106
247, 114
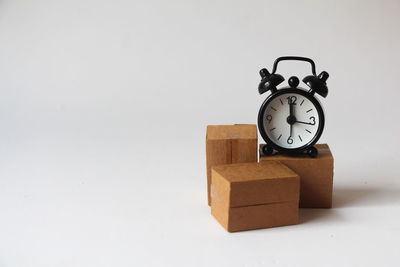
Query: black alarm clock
291, 119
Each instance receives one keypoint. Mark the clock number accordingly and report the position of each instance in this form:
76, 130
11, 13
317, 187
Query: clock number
313, 120
269, 118
292, 99
289, 140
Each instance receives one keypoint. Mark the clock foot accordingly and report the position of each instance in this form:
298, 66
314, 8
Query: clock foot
267, 150
312, 152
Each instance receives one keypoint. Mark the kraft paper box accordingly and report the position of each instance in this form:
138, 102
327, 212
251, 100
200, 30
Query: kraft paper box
227, 144
316, 175
249, 196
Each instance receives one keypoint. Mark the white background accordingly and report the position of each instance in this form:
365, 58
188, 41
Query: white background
103, 113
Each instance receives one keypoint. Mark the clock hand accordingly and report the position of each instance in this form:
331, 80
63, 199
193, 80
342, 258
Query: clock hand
290, 108
305, 122
291, 115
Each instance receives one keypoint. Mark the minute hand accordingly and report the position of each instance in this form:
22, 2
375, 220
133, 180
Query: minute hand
309, 123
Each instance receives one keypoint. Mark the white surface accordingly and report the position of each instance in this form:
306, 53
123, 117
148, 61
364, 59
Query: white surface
104, 107
278, 130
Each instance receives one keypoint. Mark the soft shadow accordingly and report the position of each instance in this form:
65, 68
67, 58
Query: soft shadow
307, 215
349, 197
344, 197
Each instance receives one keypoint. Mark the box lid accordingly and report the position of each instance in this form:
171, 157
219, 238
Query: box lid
246, 184
236, 131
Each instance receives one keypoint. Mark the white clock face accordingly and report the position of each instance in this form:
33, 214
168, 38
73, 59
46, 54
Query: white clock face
288, 128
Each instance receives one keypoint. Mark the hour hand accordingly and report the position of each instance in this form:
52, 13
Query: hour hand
303, 122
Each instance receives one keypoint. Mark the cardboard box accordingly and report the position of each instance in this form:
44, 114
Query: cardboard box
226, 144
316, 175
249, 196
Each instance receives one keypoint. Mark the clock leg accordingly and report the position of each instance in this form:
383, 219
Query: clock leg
312, 152
267, 150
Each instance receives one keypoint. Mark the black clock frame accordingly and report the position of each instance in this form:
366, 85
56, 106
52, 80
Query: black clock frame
309, 147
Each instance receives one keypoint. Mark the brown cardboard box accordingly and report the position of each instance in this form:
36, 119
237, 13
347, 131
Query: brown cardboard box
249, 196
227, 144
316, 175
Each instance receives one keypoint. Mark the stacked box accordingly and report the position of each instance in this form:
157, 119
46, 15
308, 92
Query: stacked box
246, 195
226, 144
254, 195
316, 175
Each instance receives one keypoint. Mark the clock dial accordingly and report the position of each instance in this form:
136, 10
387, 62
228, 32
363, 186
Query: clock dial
291, 120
